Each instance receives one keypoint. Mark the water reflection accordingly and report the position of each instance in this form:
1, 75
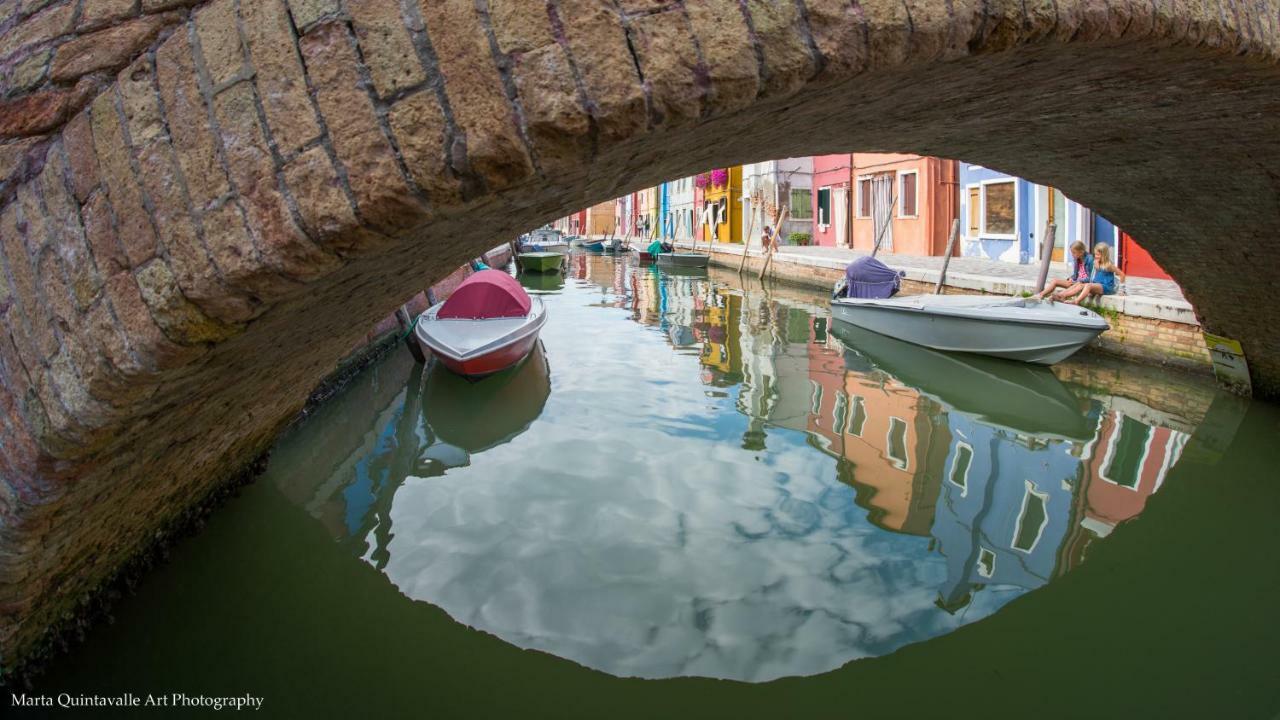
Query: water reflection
692, 478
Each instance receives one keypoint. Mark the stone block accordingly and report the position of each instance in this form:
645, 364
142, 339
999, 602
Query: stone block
220, 44
325, 209
97, 13
520, 26
108, 49
77, 139
188, 122
279, 75
555, 121
180, 320
419, 127
598, 44
476, 94
30, 71
385, 46
385, 201
669, 61
134, 226
48, 24
99, 232
732, 68
307, 12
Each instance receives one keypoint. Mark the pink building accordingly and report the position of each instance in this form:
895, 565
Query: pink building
909, 201
832, 176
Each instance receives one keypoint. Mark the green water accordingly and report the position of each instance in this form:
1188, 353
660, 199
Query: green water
696, 479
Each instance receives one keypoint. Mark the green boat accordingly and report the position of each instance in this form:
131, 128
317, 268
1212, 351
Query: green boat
540, 261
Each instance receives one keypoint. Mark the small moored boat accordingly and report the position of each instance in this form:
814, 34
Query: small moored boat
684, 259
487, 325
596, 246
540, 261
1015, 328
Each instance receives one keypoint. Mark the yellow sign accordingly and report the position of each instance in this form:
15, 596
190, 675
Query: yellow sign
1229, 365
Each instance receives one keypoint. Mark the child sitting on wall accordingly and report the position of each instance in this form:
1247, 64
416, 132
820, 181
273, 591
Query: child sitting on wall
1081, 272
1105, 281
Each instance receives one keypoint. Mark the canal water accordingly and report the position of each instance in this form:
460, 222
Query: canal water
697, 475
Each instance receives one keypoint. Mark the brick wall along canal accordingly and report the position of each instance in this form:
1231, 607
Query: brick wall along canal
697, 478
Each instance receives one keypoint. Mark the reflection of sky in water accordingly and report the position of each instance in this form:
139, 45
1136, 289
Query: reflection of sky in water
635, 536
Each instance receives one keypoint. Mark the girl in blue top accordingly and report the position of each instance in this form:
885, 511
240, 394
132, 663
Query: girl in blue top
1081, 272
1106, 277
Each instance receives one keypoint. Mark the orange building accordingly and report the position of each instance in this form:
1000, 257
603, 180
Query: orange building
916, 195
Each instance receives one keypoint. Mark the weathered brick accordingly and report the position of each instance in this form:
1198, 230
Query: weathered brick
175, 227
101, 236
40, 343
45, 26
598, 43
419, 127
16, 156
54, 290
220, 41
520, 26
181, 321
555, 121
733, 71
30, 71
108, 49
307, 12
324, 206
838, 33
38, 112
234, 252
150, 6
384, 200
279, 76
149, 345
669, 62
77, 138
97, 13
188, 121
787, 60
385, 45
282, 245
64, 220
476, 95
136, 233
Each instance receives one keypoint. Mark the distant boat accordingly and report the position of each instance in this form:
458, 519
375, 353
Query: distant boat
487, 325
544, 239
596, 246
1013, 328
540, 261
684, 259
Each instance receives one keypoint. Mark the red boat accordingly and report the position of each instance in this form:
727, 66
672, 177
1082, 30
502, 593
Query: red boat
487, 325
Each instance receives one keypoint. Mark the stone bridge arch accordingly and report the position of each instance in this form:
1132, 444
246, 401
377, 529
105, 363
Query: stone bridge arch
206, 205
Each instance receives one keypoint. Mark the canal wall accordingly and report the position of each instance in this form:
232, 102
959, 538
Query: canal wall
1154, 331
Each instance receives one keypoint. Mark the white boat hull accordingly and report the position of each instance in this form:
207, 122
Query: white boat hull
1011, 328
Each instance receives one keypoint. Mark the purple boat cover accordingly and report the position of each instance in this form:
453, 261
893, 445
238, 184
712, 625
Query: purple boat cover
871, 279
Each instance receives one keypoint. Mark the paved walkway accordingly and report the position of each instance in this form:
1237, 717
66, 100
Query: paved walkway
1145, 287
1143, 297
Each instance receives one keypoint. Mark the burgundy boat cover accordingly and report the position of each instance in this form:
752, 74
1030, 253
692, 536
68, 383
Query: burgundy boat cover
487, 294
869, 278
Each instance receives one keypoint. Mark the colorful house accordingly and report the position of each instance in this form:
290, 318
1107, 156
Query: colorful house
907, 203
601, 218
678, 218
1002, 217
832, 180
719, 219
768, 185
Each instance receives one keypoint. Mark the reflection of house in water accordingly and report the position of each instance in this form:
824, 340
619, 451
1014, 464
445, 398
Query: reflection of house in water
889, 440
1004, 510
1125, 465
718, 327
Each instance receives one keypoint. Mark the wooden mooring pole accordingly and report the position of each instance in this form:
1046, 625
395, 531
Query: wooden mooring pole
946, 260
1046, 253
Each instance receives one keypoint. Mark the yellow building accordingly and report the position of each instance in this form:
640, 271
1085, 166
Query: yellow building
720, 213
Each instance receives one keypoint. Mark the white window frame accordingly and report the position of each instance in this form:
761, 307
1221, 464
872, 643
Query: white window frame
905, 463
855, 402
857, 207
964, 489
982, 209
902, 197
984, 552
817, 208
1117, 425
1031, 489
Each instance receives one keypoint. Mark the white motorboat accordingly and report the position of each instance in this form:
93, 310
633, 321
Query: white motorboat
1015, 328
487, 325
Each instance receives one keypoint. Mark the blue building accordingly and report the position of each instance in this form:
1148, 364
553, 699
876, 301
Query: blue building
1003, 217
1004, 510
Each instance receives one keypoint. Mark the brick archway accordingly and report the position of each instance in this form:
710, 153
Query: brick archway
206, 205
